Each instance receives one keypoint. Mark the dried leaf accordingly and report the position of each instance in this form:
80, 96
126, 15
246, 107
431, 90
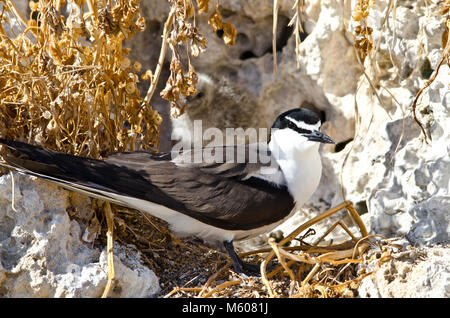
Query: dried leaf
140, 24
216, 22
229, 35
203, 6
198, 44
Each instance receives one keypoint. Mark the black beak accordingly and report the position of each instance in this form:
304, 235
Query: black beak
319, 137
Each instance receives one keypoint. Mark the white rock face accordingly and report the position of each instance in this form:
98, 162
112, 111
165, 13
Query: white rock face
417, 273
403, 180
42, 254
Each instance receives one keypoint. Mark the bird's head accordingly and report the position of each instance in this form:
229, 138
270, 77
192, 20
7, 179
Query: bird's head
298, 129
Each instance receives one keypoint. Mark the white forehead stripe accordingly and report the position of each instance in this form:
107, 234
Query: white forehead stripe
303, 125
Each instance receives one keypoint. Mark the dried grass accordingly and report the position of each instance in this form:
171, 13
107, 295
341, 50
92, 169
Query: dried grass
308, 270
298, 29
68, 84
182, 80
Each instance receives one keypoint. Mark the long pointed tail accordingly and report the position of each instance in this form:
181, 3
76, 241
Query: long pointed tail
92, 177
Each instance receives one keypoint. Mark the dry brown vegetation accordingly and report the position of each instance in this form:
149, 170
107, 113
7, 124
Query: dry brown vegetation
68, 84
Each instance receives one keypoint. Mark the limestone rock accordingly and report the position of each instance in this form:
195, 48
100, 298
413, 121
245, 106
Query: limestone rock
42, 253
415, 272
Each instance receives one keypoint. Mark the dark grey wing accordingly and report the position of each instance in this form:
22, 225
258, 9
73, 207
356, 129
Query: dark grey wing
224, 193
228, 202
240, 161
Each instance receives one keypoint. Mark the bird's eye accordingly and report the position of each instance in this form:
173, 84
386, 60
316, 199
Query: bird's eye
291, 125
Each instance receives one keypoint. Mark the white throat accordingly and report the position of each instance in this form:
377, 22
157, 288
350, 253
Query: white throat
300, 162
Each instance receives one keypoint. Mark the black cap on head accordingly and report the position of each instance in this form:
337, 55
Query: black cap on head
305, 122
299, 114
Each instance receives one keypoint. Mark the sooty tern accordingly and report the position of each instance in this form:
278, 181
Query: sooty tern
218, 201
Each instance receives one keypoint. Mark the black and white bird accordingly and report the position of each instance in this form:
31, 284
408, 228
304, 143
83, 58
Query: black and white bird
219, 202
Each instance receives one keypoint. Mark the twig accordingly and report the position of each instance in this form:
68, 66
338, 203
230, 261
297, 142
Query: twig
178, 289
162, 55
355, 216
110, 249
213, 277
17, 13
332, 228
344, 205
365, 238
335, 258
427, 84
281, 259
343, 257
274, 35
309, 249
92, 5
222, 286
303, 257
311, 274
12, 192
298, 6
297, 231
264, 278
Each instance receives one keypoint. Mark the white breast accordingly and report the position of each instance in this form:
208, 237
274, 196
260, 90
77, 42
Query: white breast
300, 162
